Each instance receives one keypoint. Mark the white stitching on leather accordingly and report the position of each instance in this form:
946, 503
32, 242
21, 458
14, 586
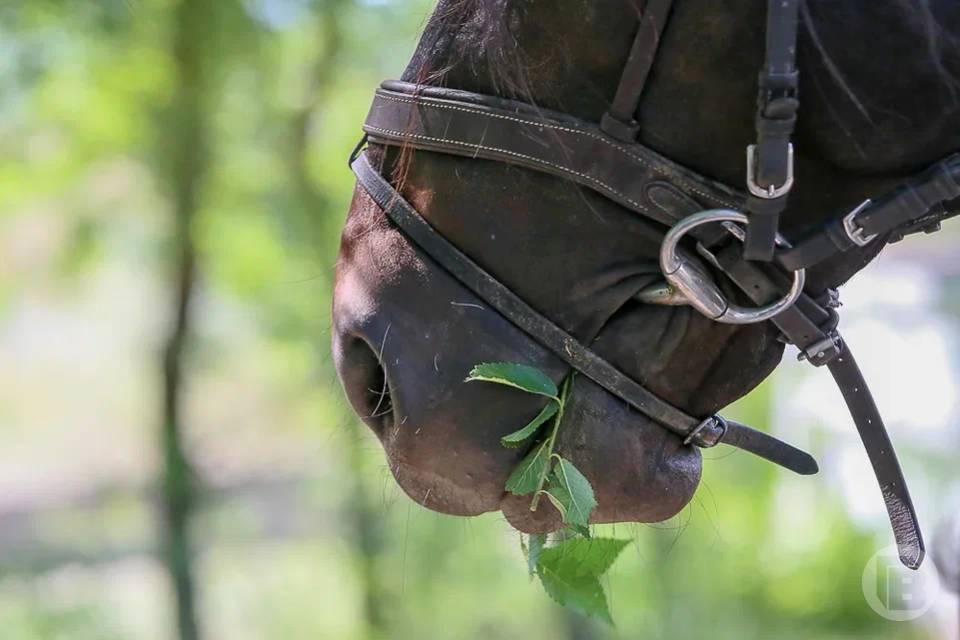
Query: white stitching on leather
511, 153
557, 127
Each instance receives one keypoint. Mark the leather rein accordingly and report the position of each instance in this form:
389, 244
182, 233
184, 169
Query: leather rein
746, 246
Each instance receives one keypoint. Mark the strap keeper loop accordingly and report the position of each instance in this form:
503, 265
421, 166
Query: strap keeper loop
619, 129
771, 81
823, 351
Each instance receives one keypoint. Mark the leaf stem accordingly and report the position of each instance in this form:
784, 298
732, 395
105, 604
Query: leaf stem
551, 441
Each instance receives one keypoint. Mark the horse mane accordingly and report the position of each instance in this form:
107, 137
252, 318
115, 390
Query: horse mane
479, 34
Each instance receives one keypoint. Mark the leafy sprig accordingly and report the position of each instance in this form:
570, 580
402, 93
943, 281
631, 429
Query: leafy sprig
569, 571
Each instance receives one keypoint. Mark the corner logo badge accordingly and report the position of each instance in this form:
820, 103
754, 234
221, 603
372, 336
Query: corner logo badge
895, 592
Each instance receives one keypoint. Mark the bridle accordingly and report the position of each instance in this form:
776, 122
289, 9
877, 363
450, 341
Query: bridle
746, 246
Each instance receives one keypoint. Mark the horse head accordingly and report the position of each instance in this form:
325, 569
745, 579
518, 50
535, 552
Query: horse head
407, 332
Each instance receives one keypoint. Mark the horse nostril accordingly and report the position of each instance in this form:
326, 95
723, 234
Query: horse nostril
365, 382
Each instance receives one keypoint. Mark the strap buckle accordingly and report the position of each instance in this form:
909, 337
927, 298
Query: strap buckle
822, 351
770, 192
853, 230
715, 420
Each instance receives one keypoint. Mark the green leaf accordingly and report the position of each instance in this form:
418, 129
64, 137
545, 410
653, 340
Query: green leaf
517, 438
511, 374
572, 529
584, 557
583, 594
525, 478
572, 489
570, 574
578, 529
537, 542
560, 506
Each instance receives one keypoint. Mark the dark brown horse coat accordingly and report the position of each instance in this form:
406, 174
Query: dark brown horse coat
880, 101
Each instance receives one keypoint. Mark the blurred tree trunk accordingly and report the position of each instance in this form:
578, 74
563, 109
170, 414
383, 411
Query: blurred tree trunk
368, 536
184, 151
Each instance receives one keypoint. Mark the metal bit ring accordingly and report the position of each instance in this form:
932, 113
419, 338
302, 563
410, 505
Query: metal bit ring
701, 292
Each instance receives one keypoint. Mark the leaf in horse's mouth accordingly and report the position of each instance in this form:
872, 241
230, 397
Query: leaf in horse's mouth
574, 494
526, 477
512, 374
520, 437
569, 571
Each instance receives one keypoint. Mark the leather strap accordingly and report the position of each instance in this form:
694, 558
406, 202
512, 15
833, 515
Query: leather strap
704, 433
912, 201
820, 343
777, 106
619, 121
812, 328
918, 205
893, 487
466, 124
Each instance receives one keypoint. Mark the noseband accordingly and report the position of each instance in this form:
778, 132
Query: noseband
745, 246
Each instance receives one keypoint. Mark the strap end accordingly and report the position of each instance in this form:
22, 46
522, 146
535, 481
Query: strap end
769, 448
912, 556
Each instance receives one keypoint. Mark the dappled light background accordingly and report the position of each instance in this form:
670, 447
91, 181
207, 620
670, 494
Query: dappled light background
156, 151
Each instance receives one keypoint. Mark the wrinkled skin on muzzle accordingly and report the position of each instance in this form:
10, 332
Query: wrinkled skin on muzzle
406, 334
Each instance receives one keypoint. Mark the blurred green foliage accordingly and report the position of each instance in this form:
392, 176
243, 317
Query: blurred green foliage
301, 531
